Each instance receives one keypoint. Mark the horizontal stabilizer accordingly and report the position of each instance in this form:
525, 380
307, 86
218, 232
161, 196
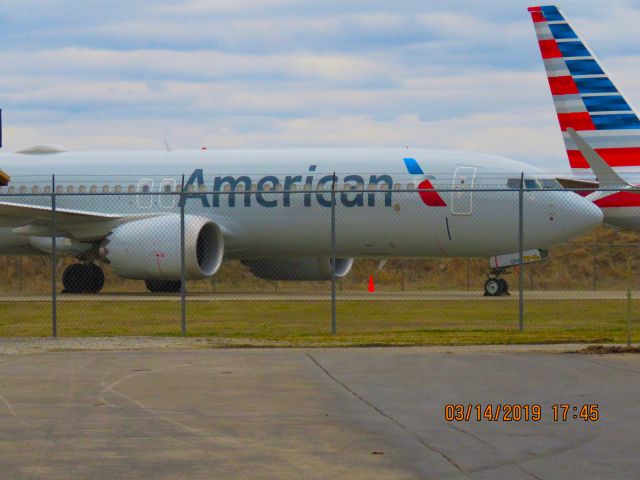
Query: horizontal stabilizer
607, 177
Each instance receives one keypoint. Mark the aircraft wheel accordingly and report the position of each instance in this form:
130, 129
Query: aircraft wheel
72, 278
163, 286
80, 278
504, 286
492, 287
95, 280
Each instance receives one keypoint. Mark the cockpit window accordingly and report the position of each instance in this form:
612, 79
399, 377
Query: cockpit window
533, 184
513, 183
550, 183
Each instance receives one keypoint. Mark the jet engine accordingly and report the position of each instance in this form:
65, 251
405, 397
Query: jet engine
305, 269
149, 249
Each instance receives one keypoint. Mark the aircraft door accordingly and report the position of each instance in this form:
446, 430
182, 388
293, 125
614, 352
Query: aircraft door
144, 197
462, 201
167, 186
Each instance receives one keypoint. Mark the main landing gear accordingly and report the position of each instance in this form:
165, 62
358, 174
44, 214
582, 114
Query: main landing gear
82, 278
495, 286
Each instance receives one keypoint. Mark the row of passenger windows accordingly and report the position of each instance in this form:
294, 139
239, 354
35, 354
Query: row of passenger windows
169, 186
145, 188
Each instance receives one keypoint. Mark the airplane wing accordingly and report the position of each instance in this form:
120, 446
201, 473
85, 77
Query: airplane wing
36, 220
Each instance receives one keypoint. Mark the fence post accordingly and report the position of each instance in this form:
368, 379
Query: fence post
54, 261
20, 273
595, 272
629, 317
183, 287
468, 274
333, 255
521, 254
403, 278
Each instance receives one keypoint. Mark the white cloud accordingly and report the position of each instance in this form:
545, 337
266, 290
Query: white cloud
251, 73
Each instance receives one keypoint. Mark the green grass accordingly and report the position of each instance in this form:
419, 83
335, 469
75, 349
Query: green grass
309, 323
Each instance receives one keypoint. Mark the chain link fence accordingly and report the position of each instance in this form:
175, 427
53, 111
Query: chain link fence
311, 265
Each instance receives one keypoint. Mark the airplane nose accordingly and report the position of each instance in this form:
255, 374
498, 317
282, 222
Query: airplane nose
580, 215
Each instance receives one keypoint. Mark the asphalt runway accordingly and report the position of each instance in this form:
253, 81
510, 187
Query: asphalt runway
350, 296
313, 414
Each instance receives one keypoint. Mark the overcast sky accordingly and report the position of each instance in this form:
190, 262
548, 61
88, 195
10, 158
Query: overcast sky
459, 74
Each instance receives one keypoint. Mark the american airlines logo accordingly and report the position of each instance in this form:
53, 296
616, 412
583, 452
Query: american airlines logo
272, 191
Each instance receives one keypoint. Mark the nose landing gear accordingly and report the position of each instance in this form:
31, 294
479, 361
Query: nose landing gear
82, 278
496, 286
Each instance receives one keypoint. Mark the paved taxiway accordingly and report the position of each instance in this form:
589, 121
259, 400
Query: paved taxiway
376, 296
340, 413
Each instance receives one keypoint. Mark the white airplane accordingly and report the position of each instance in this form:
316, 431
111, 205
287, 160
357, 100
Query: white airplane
600, 127
274, 211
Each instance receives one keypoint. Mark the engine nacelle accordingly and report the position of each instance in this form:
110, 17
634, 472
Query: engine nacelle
304, 269
149, 249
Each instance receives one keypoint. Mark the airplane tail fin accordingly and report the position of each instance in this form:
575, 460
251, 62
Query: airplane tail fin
585, 97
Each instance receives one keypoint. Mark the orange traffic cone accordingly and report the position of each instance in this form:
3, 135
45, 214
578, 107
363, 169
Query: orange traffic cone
372, 285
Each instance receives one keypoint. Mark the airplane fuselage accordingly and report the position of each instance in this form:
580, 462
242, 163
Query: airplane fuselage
273, 203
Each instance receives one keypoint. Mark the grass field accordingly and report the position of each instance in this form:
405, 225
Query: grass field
303, 323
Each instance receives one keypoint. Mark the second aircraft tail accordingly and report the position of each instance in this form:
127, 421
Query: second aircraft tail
585, 97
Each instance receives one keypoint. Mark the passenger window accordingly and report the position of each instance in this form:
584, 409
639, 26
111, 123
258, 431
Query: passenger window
131, 189
47, 189
118, 189
397, 186
93, 189
59, 189
82, 189
105, 189
35, 189
70, 189
411, 186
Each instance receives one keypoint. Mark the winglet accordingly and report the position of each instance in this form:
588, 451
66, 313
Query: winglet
607, 177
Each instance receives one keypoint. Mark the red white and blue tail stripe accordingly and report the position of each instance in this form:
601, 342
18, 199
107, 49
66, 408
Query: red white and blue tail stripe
586, 99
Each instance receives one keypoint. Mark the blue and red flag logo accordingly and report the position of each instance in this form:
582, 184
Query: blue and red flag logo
428, 194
